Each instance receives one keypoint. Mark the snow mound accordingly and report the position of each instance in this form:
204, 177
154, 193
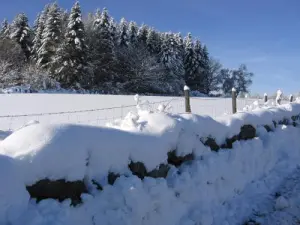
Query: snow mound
43, 151
13, 196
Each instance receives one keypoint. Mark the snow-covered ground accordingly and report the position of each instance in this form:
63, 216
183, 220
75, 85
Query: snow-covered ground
215, 188
97, 109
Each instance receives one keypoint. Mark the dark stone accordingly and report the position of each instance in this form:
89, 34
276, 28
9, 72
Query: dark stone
58, 189
295, 118
285, 121
275, 124
138, 169
268, 128
98, 186
161, 172
295, 124
247, 132
112, 177
211, 142
251, 222
177, 161
230, 141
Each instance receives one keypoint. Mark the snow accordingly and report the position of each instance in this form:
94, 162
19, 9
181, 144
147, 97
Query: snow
97, 110
186, 88
281, 203
213, 189
13, 196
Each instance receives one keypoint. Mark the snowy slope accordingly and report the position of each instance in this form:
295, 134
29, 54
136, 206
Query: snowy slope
202, 192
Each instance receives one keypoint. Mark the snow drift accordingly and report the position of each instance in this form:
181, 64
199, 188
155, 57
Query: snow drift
191, 193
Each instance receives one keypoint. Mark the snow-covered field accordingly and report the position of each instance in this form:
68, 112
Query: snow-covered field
97, 109
216, 188
199, 193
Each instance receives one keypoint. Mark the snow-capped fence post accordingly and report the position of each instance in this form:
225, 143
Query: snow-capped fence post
291, 98
234, 101
187, 99
265, 98
278, 97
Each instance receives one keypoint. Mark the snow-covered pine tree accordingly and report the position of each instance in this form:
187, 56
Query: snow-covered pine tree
189, 60
197, 78
4, 32
170, 57
142, 34
180, 43
39, 26
153, 42
89, 28
20, 32
71, 61
113, 29
102, 49
205, 70
51, 38
133, 32
36, 42
123, 38
64, 15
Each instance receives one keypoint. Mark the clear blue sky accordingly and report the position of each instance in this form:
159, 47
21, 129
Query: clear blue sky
264, 34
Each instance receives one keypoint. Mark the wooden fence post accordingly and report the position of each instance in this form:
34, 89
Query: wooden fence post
265, 98
291, 98
234, 108
187, 99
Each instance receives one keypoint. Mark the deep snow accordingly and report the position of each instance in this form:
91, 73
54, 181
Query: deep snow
214, 189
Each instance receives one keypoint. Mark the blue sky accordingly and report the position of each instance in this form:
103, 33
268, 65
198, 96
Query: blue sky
264, 34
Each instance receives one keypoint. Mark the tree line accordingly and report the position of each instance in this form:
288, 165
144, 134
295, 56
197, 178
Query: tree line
64, 49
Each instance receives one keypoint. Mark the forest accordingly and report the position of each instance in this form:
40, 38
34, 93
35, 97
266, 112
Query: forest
94, 52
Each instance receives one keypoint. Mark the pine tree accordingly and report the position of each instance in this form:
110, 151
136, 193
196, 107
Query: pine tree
142, 34
189, 61
133, 31
205, 70
20, 32
113, 29
123, 39
4, 32
51, 37
170, 57
89, 28
72, 68
64, 21
102, 49
39, 26
196, 79
180, 43
153, 42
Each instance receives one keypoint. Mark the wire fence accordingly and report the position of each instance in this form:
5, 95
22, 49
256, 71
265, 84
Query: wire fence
213, 107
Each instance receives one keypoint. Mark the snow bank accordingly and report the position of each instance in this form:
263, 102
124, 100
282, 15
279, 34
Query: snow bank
42, 151
74, 152
13, 196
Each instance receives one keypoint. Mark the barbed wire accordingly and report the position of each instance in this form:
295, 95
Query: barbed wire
101, 116
85, 110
